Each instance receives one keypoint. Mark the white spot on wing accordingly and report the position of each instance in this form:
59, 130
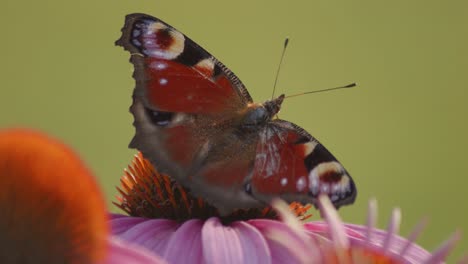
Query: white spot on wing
301, 184
158, 65
205, 67
178, 119
313, 182
284, 181
136, 42
345, 184
163, 81
136, 33
309, 147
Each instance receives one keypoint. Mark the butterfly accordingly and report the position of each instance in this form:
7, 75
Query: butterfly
195, 121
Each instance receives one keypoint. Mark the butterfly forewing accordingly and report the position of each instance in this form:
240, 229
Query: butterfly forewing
174, 74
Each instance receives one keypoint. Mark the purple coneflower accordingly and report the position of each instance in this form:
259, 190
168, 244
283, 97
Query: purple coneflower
180, 228
52, 210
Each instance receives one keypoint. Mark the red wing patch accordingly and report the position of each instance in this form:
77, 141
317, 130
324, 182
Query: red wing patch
279, 163
181, 145
227, 174
174, 87
291, 162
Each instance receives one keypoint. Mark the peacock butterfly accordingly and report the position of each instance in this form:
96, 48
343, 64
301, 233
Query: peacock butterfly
195, 121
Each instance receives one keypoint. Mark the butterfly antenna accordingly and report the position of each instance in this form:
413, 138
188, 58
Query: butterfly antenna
286, 41
324, 90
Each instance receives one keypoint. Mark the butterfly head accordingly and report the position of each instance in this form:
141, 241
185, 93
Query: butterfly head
257, 115
273, 106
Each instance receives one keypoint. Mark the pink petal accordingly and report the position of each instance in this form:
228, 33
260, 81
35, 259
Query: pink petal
321, 228
392, 229
412, 237
254, 246
284, 213
221, 244
281, 253
122, 224
442, 252
336, 228
122, 252
185, 245
285, 244
371, 218
416, 254
154, 234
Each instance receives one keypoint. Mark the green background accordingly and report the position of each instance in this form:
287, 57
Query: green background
402, 134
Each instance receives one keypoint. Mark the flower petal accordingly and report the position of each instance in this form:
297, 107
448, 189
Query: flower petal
442, 252
321, 228
371, 218
254, 246
412, 237
186, 239
284, 213
154, 234
393, 228
221, 244
415, 254
121, 224
285, 245
336, 227
122, 252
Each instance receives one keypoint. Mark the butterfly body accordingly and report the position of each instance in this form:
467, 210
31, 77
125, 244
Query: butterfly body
195, 121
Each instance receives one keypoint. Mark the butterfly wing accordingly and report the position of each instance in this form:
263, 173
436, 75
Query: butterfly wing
292, 164
174, 74
184, 105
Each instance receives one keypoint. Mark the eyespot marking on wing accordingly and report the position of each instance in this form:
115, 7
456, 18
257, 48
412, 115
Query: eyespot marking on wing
329, 178
157, 40
159, 118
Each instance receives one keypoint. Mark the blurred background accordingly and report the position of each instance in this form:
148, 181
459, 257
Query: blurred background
402, 133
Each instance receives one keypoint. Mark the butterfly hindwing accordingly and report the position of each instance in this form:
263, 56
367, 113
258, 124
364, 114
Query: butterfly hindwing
292, 164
